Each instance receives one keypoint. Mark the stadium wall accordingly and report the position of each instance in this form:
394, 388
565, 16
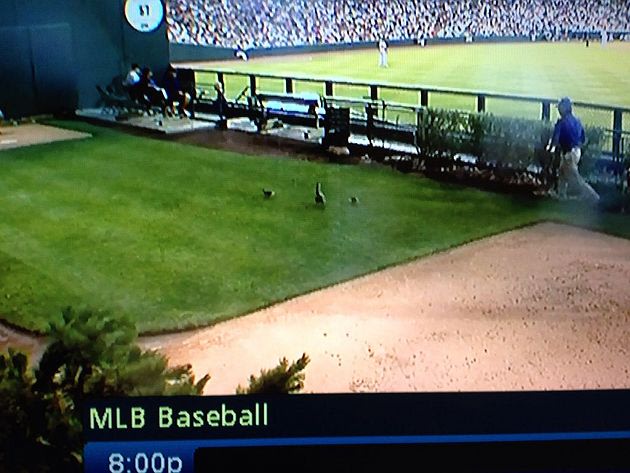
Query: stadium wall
53, 53
194, 53
181, 53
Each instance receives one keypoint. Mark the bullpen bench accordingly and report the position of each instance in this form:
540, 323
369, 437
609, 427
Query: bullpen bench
302, 109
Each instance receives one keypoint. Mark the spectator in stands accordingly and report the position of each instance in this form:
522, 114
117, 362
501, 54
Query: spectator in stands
175, 93
151, 95
273, 23
131, 81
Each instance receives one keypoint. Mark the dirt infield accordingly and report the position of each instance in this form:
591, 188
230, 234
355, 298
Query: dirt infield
35, 134
546, 307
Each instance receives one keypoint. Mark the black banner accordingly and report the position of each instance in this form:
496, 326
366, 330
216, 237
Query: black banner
446, 416
522, 457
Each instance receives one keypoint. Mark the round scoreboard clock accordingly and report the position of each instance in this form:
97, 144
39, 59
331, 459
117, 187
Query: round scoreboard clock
144, 15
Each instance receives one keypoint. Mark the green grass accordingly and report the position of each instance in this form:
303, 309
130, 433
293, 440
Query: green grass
178, 236
593, 75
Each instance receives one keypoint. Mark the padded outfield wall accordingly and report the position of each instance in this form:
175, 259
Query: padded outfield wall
181, 53
198, 53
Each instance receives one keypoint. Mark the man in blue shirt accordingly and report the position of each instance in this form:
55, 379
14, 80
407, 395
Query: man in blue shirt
175, 92
151, 94
568, 134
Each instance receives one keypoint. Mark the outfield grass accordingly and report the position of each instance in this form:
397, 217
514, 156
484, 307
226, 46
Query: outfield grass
178, 236
593, 75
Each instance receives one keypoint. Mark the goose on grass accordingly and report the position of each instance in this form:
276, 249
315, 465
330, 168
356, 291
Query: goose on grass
320, 198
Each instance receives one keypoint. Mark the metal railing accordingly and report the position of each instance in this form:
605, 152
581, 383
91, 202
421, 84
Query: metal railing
374, 92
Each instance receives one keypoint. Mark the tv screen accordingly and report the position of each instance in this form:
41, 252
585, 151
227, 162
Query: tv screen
420, 204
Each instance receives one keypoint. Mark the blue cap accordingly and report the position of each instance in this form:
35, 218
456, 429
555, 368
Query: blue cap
565, 105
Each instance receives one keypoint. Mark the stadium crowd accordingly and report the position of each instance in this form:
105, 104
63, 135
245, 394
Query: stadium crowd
247, 24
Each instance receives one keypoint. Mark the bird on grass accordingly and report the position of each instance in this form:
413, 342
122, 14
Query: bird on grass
268, 193
320, 198
353, 200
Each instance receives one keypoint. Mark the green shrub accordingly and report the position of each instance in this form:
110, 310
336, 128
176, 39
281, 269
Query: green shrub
282, 379
440, 132
95, 354
513, 142
592, 149
479, 125
21, 417
510, 142
92, 355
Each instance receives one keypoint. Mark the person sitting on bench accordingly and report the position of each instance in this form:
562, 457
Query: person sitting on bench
175, 92
131, 82
152, 95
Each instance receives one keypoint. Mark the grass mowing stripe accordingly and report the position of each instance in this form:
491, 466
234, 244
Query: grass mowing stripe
177, 236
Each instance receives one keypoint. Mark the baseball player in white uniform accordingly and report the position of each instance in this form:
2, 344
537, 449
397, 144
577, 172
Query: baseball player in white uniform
382, 49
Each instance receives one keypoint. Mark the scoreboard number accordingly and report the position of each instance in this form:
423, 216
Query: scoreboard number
144, 15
